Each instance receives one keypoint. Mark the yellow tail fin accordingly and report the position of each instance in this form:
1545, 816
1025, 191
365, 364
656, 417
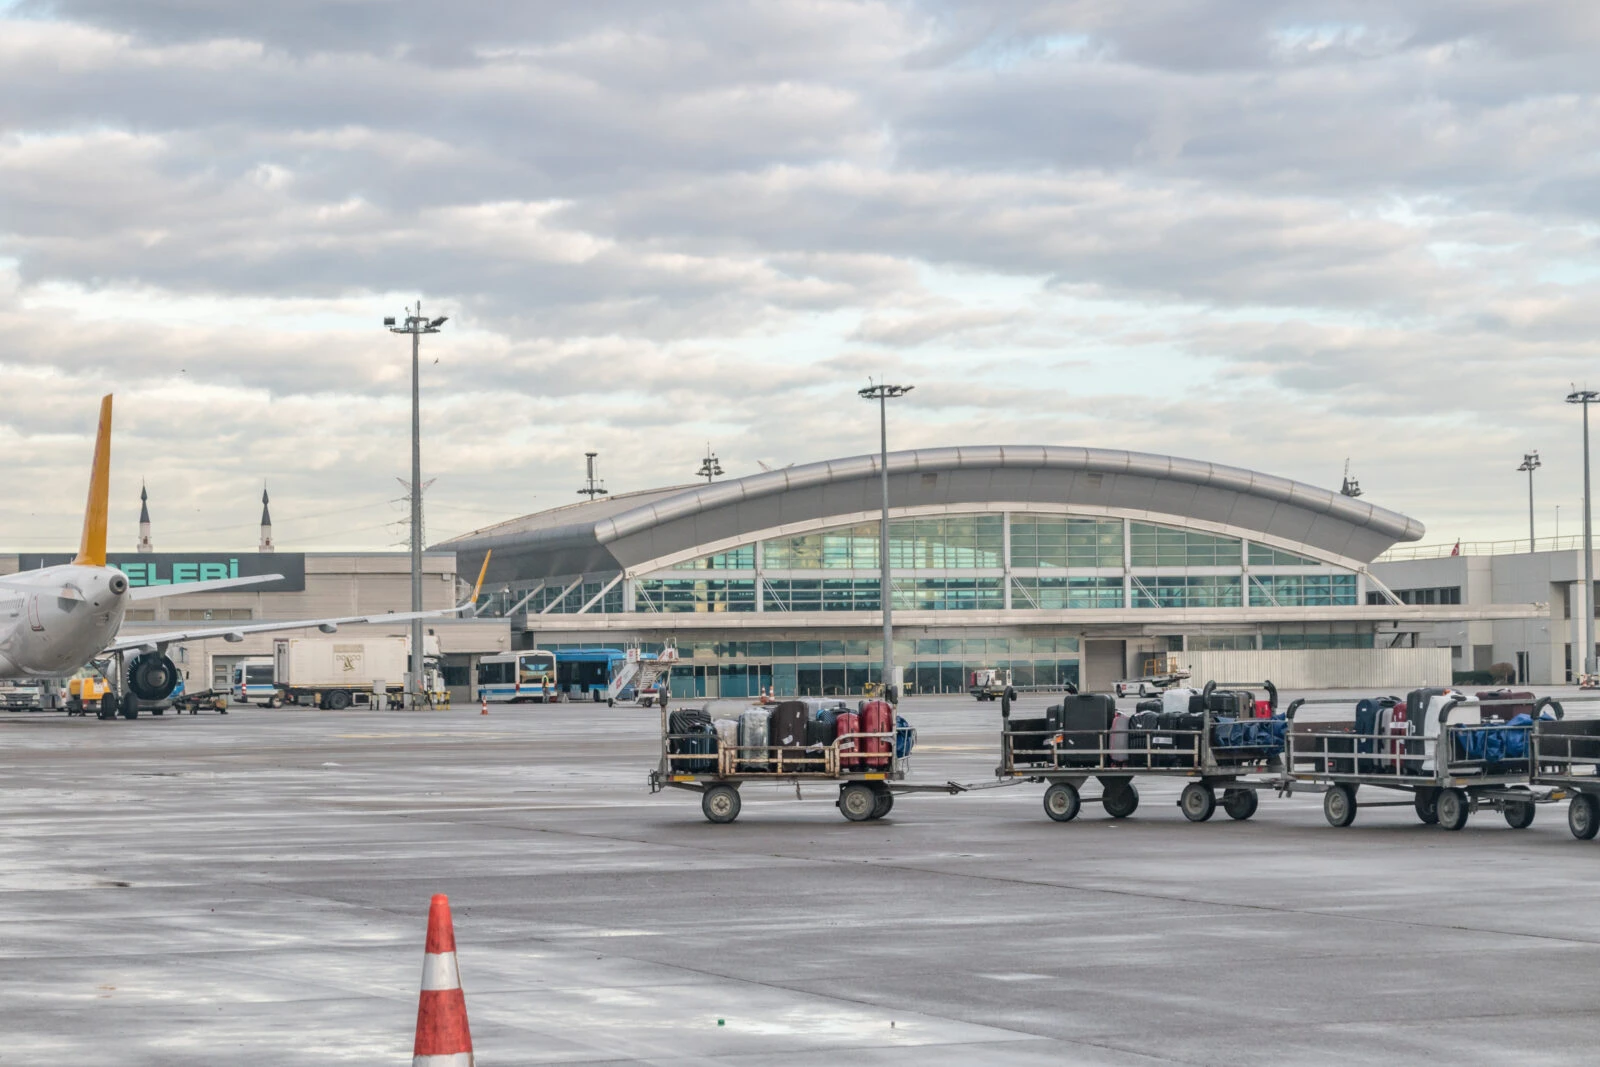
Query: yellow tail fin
92, 549
481, 572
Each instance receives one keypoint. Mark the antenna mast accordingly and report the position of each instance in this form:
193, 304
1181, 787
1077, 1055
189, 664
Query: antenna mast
594, 488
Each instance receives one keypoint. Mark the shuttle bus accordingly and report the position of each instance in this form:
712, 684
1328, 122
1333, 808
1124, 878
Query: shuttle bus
586, 673
518, 677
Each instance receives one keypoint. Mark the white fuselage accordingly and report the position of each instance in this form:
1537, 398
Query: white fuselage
42, 634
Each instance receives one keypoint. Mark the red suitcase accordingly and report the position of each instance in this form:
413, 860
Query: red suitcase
848, 723
877, 717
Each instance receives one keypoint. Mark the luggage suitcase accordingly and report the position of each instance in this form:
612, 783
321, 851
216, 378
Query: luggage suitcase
1142, 726
788, 732
1175, 700
877, 717
727, 732
1230, 703
1085, 720
1171, 745
821, 731
848, 723
1263, 709
1119, 738
1153, 704
754, 731
905, 738
1366, 729
686, 720
1505, 712
704, 742
1032, 742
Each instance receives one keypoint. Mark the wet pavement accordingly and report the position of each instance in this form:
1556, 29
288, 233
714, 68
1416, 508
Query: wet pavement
253, 889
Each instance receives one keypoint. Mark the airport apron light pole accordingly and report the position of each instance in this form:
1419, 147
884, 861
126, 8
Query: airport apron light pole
883, 394
1530, 463
1586, 623
416, 325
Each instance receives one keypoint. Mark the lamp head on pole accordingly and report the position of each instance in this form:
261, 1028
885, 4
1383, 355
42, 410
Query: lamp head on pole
884, 392
1583, 396
1530, 462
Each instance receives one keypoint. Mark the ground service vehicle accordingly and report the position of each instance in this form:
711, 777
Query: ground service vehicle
28, 694
335, 672
518, 677
253, 681
89, 693
586, 673
990, 683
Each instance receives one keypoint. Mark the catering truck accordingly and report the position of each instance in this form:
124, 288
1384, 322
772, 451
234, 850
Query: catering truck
335, 672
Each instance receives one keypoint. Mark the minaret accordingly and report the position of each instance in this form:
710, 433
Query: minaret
266, 523
144, 520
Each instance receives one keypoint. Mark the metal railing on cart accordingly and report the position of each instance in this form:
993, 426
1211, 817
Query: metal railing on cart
1566, 757
1238, 755
1451, 768
869, 767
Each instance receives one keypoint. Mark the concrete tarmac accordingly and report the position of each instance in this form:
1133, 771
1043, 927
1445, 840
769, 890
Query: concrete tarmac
253, 889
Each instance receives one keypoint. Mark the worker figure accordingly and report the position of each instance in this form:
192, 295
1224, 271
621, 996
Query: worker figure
547, 690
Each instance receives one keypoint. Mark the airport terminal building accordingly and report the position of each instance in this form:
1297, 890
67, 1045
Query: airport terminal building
1064, 564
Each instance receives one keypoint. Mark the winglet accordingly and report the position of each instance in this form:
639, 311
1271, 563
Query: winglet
92, 549
481, 572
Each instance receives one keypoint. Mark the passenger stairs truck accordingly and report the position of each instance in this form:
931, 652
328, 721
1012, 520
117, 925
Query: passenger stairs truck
333, 673
642, 677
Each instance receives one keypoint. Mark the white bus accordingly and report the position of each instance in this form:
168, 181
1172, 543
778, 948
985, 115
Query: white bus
518, 677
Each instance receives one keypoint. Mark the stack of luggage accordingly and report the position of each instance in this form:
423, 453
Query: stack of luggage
792, 736
1240, 733
690, 733
1074, 733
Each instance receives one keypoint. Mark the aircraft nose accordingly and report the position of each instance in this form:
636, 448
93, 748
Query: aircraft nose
118, 584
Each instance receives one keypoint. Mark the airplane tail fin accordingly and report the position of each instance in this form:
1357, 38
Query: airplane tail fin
476, 589
92, 549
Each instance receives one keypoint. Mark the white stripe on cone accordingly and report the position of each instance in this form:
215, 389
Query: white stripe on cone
439, 971
458, 1059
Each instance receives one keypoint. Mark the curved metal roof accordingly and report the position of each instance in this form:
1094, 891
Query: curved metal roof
632, 533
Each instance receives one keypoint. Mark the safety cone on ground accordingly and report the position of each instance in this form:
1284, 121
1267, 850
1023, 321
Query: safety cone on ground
485, 709
443, 1039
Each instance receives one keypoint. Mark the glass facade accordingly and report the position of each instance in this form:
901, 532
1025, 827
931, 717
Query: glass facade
1267, 556
1169, 546
1047, 541
742, 558
1302, 590
694, 594
820, 594
955, 542
1052, 594
1192, 591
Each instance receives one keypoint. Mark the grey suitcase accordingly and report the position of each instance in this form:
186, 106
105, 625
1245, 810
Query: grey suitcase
754, 726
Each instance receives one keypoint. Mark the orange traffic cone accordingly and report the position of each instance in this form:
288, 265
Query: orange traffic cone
443, 1039
485, 709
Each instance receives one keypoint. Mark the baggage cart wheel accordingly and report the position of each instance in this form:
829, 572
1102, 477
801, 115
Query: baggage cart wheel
1121, 800
857, 801
1240, 804
1339, 805
1427, 805
720, 803
1453, 809
1583, 816
1519, 814
1061, 802
1198, 801
884, 806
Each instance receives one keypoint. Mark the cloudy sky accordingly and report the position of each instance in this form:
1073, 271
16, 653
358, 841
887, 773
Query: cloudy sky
1261, 232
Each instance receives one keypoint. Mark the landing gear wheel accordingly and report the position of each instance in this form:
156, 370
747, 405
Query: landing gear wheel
1061, 802
884, 806
1519, 814
1240, 804
1427, 805
1199, 802
1583, 816
338, 700
130, 706
106, 708
720, 803
1121, 800
1453, 809
1339, 805
857, 801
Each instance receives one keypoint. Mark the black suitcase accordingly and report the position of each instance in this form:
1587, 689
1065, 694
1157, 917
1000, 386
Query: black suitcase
1153, 704
700, 739
1417, 703
1174, 743
1232, 703
1031, 742
1141, 727
686, 720
788, 730
1085, 722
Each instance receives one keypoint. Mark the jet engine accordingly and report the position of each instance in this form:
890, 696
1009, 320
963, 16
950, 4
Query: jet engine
152, 676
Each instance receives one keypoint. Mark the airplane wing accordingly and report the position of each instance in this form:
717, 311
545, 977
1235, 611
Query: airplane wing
210, 585
151, 642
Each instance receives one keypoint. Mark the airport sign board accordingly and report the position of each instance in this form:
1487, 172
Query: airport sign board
177, 568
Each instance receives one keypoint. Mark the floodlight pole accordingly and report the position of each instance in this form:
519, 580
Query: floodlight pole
416, 325
883, 394
1586, 624
1530, 463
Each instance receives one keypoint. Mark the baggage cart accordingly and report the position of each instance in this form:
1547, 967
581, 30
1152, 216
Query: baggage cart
1441, 751
1567, 758
869, 768
1211, 752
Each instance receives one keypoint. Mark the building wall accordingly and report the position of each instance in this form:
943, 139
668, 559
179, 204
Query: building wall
1394, 669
